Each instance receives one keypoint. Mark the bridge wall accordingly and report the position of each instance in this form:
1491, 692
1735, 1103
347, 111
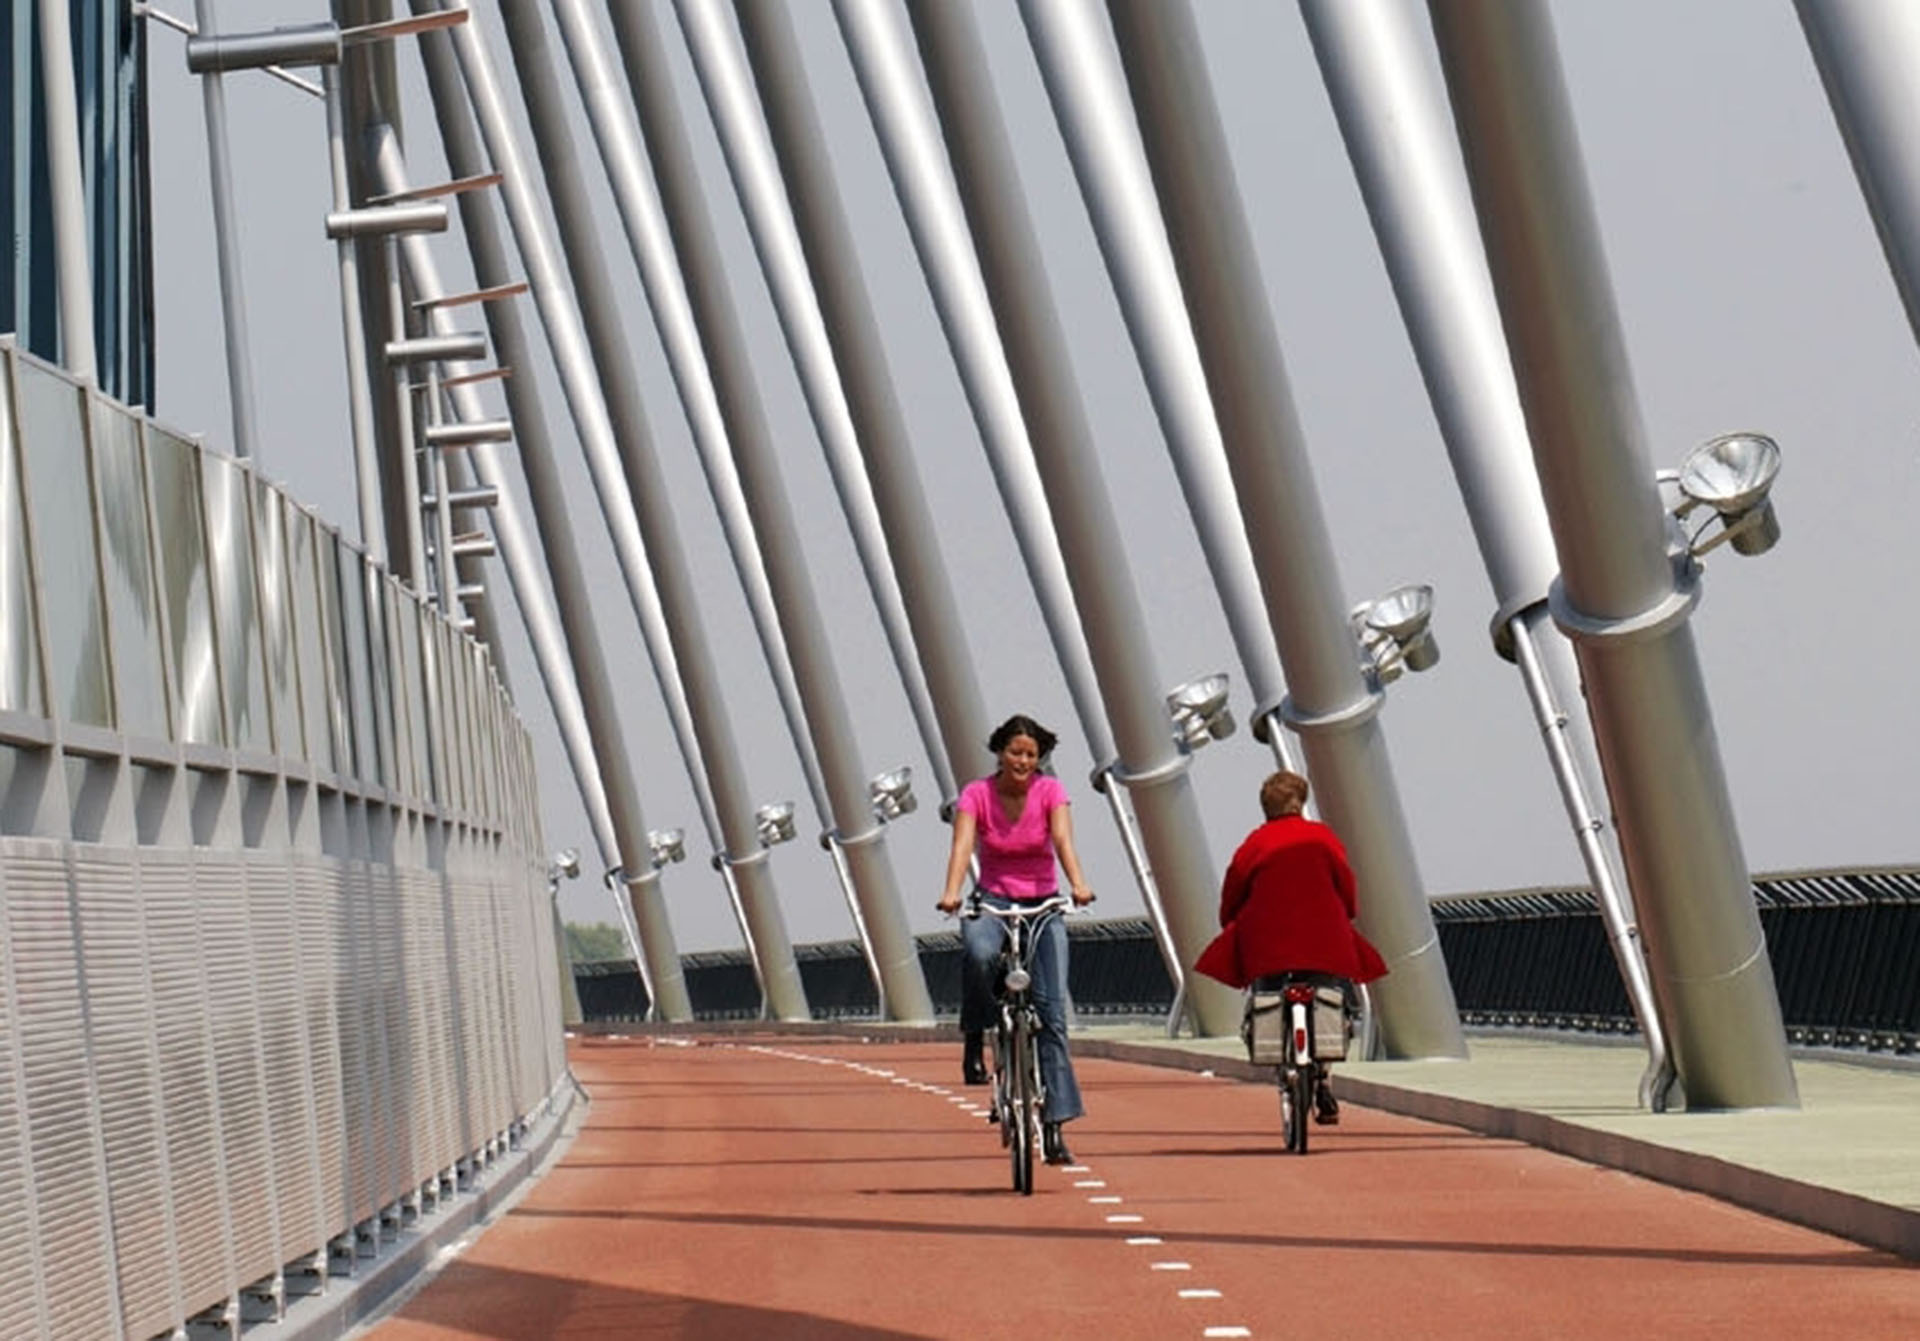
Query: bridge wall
277, 968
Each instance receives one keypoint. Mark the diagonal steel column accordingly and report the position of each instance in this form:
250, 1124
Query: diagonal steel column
1868, 55
674, 626
1333, 705
617, 133
857, 835
1393, 116
910, 141
518, 556
1624, 595
1151, 764
233, 298
799, 227
1089, 101
909, 137
544, 489
67, 189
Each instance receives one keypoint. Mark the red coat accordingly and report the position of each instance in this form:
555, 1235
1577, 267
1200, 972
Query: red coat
1287, 905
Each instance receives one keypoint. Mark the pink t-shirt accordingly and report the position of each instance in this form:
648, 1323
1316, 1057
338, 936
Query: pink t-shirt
1016, 856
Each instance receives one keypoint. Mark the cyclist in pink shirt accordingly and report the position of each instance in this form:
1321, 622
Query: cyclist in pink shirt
1020, 823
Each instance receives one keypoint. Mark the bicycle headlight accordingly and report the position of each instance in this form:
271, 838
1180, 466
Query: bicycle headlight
1018, 980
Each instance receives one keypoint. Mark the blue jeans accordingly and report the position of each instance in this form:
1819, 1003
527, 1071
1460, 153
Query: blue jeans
983, 938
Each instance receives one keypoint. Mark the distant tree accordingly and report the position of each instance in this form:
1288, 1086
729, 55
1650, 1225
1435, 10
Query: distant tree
591, 942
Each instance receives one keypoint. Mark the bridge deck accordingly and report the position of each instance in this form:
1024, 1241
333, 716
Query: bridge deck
787, 1186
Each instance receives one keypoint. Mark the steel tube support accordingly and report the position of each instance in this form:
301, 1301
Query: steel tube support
883, 62
667, 983
406, 441
61, 117
366, 467
1622, 595
807, 251
1151, 765
1393, 117
755, 458
1331, 703
1535, 641
634, 495
226, 240
1868, 55
1090, 103
617, 134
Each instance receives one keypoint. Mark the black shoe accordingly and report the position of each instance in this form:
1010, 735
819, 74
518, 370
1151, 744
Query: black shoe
1054, 1145
973, 1064
1326, 1109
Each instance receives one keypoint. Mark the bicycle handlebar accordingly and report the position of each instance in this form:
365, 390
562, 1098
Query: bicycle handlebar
1057, 902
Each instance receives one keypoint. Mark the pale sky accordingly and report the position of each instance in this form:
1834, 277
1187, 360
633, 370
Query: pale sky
1753, 293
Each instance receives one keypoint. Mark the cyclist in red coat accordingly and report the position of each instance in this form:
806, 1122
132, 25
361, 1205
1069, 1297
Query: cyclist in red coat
1287, 906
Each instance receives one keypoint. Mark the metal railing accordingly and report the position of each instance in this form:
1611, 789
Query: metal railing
1845, 947
275, 938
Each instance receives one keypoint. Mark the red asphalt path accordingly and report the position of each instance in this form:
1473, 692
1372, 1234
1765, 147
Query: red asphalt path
797, 1188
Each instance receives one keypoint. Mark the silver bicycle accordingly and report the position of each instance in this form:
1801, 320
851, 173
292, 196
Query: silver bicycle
1019, 1094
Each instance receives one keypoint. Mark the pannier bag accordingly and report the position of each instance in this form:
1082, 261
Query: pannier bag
1264, 1030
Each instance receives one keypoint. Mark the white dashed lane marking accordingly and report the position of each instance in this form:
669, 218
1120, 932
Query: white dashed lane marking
1173, 1266
1143, 1241
1199, 1294
1226, 1331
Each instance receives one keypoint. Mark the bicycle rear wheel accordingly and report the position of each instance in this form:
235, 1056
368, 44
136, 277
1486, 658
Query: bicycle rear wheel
1020, 1104
1296, 1097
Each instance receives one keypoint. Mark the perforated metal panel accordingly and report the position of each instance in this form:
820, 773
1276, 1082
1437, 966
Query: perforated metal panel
320, 904
436, 1133
127, 1072
21, 1308
246, 1139
398, 1091
184, 1040
63, 1141
362, 1048
277, 952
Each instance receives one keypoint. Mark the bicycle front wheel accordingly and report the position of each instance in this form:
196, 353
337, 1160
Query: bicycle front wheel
1020, 1105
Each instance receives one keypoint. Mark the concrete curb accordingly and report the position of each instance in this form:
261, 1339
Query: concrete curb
1876, 1224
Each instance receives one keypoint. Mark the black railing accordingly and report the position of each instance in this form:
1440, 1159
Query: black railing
1845, 947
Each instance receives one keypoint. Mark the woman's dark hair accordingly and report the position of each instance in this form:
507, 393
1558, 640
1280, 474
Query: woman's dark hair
1022, 725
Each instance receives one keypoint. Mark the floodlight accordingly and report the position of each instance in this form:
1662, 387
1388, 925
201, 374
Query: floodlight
892, 793
567, 862
1732, 475
666, 846
774, 823
1199, 711
1403, 617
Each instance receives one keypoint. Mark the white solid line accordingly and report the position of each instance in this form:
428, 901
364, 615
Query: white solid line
1173, 1266
1199, 1294
1105, 1201
1091, 1182
1123, 1219
1144, 1241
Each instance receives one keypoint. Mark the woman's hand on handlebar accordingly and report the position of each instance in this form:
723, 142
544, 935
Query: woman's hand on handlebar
949, 904
1082, 896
